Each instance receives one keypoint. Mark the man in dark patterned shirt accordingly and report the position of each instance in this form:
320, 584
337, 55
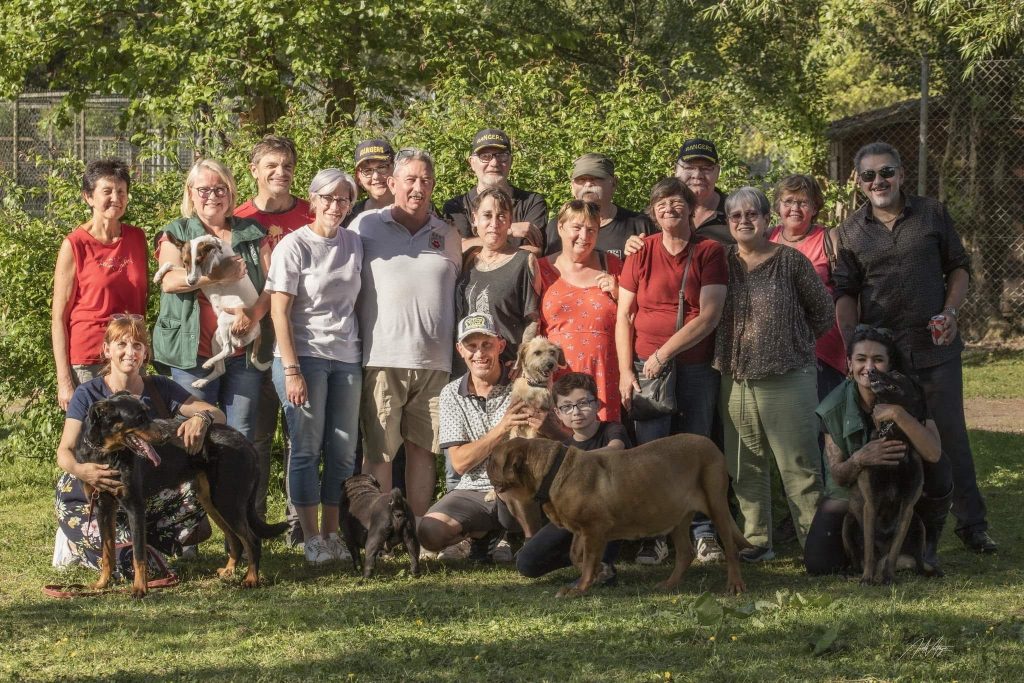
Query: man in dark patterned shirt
901, 262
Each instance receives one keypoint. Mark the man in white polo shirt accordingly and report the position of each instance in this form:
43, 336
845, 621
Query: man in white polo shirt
407, 318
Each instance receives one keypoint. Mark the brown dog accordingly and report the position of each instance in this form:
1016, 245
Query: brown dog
603, 496
537, 361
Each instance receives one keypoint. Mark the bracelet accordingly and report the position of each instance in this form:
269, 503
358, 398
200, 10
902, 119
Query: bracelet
292, 367
293, 374
205, 416
657, 358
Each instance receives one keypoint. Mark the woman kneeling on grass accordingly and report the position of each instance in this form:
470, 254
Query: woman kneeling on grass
577, 404
174, 517
848, 414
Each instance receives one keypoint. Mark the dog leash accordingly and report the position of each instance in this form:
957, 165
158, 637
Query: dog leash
543, 494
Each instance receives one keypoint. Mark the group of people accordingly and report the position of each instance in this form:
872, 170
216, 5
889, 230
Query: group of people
770, 330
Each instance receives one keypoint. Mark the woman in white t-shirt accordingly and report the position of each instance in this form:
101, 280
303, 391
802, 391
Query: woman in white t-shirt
314, 280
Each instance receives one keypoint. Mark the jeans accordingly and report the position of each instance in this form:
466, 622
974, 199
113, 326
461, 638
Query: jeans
697, 387
327, 423
236, 392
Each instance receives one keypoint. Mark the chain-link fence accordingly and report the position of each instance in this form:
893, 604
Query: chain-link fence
967, 136
30, 143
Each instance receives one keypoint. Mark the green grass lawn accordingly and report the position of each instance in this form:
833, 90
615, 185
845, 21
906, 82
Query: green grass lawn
994, 374
460, 623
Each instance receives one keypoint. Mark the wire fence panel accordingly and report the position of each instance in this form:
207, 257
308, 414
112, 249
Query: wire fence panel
973, 150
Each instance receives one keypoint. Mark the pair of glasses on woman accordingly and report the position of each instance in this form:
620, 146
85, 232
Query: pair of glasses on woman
329, 199
205, 192
127, 316
886, 172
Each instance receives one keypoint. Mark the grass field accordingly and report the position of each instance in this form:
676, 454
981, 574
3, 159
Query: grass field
460, 623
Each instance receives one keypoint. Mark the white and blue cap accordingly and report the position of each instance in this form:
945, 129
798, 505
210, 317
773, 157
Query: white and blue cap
476, 323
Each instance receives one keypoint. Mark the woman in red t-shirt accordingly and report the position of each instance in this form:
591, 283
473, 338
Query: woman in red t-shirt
101, 270
579, 287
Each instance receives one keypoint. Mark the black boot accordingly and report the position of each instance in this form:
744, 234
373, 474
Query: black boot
933, 512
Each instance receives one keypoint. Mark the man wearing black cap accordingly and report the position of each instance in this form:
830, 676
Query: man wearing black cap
698, 167
491, 160
374, 162
593, 180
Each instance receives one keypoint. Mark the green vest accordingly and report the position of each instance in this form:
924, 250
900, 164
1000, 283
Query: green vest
176, 334
841, 414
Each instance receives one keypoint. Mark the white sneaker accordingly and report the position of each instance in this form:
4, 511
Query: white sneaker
653, 551
502, 552
337, 548
708, 551
316, 551
459, 551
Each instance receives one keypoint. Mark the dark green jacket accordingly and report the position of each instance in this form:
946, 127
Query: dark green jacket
848, 426
176, 335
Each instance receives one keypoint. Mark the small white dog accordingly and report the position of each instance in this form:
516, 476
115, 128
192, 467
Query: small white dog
199, 257
537, 361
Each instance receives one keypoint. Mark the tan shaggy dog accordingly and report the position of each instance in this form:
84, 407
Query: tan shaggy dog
537, 361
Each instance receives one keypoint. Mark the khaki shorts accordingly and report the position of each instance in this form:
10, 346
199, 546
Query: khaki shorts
399, 405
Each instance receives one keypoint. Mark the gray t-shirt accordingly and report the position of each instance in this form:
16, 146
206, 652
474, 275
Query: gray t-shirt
407, 312
466, 417
324, 276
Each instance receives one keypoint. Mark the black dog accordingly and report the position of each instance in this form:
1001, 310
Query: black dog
881, 522
377, 521
118, 432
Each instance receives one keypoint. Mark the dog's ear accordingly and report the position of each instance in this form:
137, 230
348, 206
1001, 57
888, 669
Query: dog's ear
99, 414
561, 358
521, 358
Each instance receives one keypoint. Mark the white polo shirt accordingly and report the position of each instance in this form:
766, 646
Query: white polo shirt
406, 307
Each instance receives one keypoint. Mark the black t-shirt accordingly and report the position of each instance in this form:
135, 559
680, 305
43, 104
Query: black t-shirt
717, 226
612, 236
606, 433
527, 207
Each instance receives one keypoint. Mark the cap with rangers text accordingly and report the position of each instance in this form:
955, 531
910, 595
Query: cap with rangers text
374, 150
491, 137
698, 148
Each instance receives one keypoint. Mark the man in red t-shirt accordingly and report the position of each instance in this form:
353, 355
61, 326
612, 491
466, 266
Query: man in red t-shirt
280, 212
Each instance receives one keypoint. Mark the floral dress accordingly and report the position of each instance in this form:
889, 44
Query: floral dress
171, 514
582, 321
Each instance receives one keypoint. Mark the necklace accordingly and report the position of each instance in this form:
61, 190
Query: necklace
794, 241
497, 261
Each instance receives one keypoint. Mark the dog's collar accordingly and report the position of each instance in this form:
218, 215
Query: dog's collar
543, 494
538, 385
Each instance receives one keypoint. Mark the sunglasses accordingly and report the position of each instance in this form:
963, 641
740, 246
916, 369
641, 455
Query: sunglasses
886, 172
127, 316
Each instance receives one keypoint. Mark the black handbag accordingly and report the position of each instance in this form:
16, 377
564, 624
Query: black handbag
657, 396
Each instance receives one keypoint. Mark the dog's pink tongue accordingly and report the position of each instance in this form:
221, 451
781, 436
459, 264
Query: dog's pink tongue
142, 447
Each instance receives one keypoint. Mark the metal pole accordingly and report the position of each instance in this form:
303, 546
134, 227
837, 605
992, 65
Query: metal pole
922, 135
14, 144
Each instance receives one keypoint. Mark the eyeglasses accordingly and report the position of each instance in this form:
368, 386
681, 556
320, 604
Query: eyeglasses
671, 204
127, 316
793, 203
329, 199
864, 329
698, 170
737, 216
205, 192
583, 406
368, 172
488, 157
886, 172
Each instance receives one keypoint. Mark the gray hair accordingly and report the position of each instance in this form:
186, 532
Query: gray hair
748, 196
875, 149
328, 178
411, 154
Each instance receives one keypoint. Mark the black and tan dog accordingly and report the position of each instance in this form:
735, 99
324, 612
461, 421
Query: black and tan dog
603, 496
881, 523
150, 457
376, 521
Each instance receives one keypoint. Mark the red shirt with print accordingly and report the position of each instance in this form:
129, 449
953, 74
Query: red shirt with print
280, 223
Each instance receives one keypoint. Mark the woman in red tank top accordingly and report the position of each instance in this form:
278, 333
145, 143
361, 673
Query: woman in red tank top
101, 270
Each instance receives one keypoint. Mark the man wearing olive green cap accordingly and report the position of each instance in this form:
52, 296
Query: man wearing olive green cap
593, 180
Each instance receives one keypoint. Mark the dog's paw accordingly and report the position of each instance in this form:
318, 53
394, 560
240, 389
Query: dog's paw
735, 587
200, 383
226, 572
138, 592
571, 591
666, 585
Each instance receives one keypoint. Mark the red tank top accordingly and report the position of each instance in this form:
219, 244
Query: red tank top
109, 278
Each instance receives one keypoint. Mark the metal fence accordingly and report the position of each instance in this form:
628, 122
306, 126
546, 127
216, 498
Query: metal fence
962, 142
30, 143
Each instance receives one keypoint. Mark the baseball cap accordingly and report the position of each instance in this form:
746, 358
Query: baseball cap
476, 323
592, 164
378, 149
490, 137
698, 148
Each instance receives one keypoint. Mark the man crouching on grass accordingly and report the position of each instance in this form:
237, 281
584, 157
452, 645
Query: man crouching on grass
477, 414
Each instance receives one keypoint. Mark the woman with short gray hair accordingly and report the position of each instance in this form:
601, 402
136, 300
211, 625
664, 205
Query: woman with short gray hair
777, 307
314, 280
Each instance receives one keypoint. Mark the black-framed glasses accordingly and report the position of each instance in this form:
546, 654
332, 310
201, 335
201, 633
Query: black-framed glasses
488, 157
329, 199
205, 192
886, 172
367, 172
583, 406
864, 328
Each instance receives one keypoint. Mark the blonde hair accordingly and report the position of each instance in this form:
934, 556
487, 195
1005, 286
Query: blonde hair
128, 326
187, 209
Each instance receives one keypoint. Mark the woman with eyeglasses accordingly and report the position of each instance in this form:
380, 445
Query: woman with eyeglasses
777, 307
101, 269
314, 281
374, 164
848, 413
182, 337
649, 338
798, 201
174, 518
580, 287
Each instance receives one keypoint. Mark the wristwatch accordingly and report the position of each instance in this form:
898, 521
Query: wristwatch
950, 311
